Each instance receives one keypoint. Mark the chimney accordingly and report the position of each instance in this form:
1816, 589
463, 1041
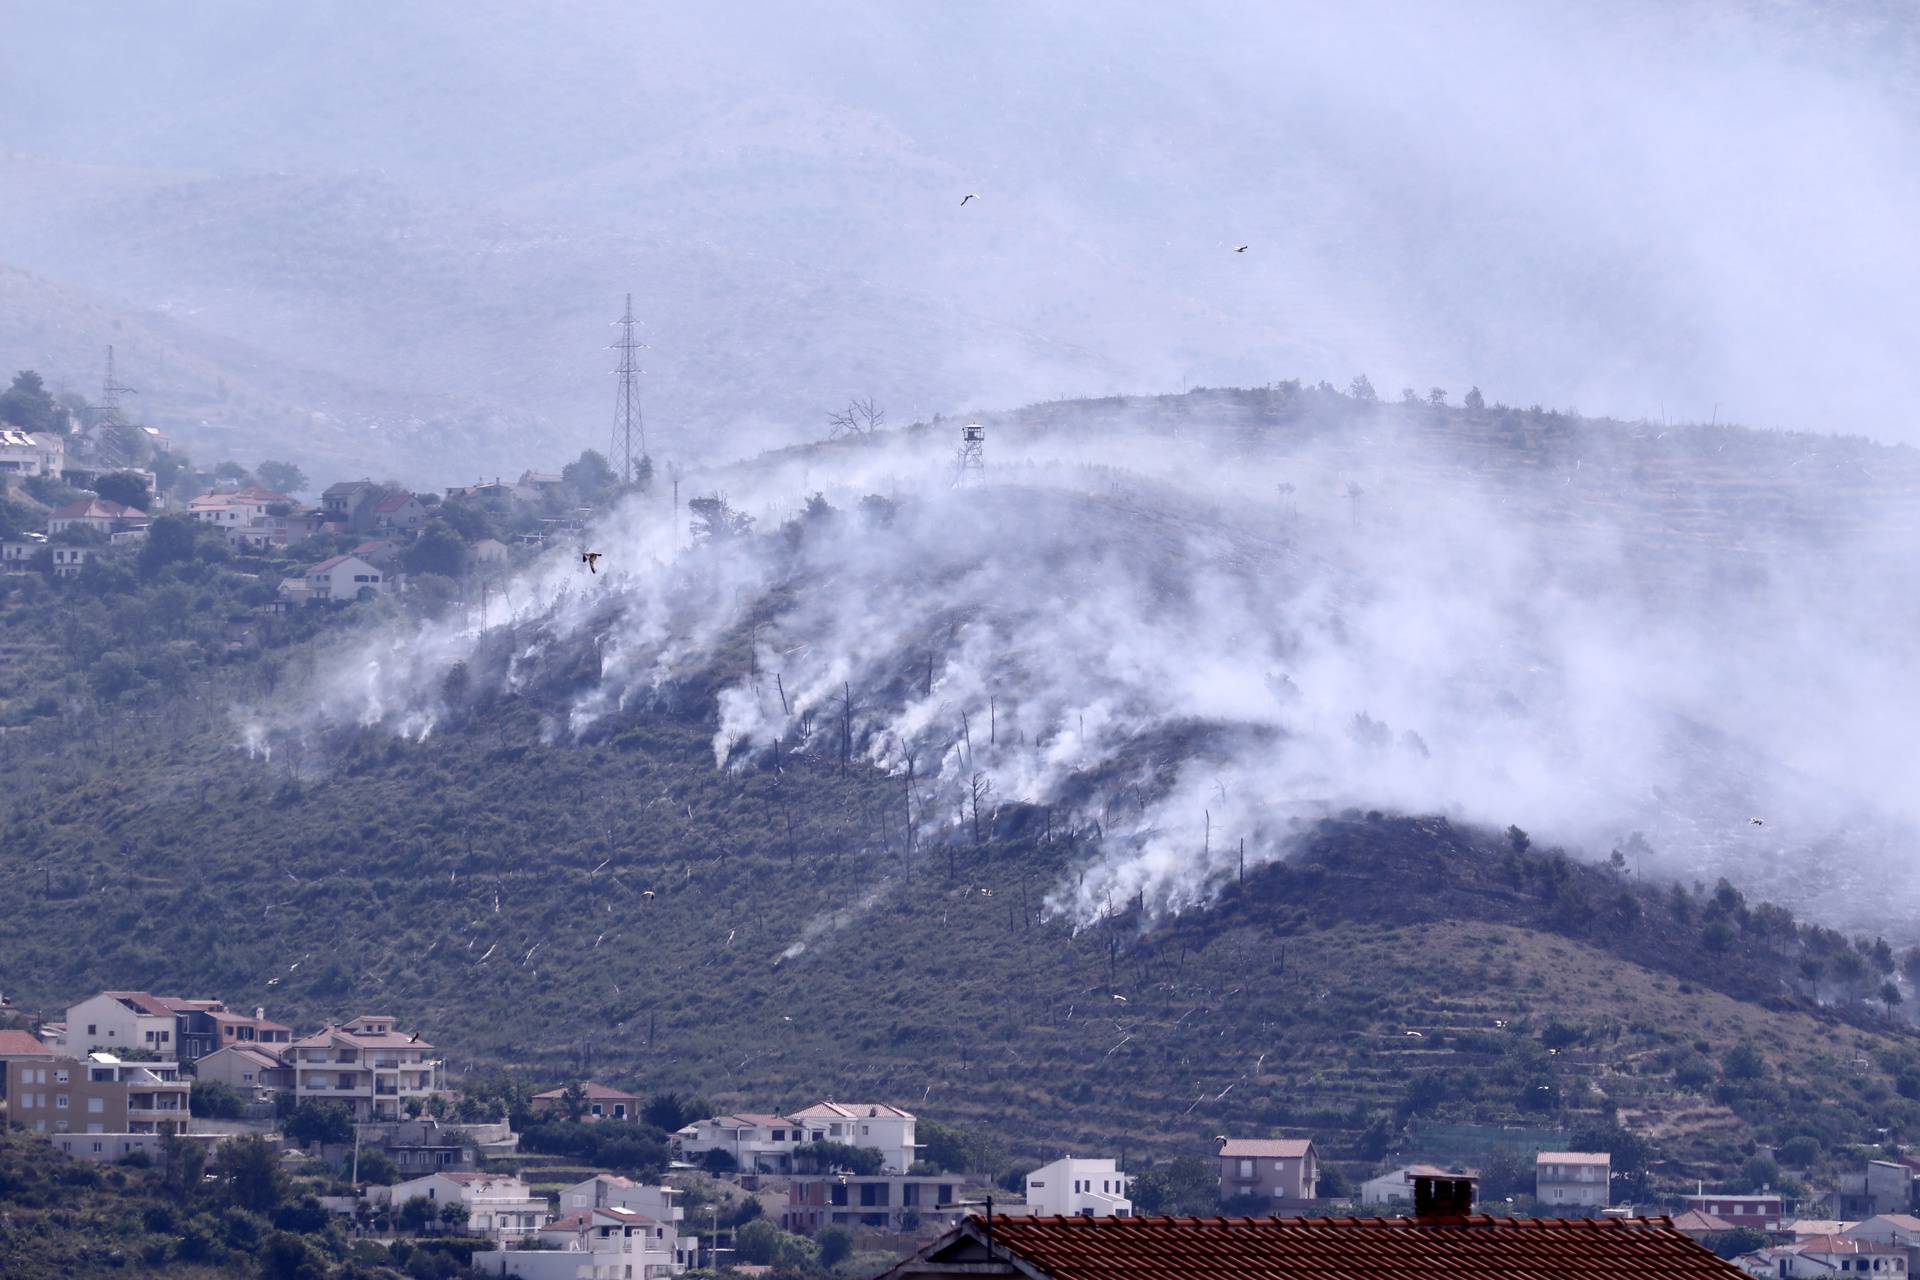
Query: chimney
1444, 1195
259, 1013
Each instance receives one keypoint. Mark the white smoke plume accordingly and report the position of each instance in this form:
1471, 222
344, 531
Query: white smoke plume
1190, 629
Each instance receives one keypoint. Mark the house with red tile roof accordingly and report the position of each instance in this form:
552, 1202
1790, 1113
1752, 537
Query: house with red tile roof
122, 1020
1282, 1173
251, 1071
100, 514
19, 1046
766, 1143
596, 1101
398, 512
1431, 1246
365, 1065
1696, 1224
1582, 1178
1819, 1257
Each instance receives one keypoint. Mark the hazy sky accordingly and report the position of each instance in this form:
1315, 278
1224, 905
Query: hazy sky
1700, 207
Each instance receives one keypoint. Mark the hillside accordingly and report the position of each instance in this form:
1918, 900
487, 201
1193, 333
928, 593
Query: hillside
937, 795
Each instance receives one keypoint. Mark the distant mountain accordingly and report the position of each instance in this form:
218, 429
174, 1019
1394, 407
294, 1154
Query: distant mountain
446, 203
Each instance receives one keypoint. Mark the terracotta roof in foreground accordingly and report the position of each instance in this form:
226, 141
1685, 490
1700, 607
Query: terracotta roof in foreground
1475, 1247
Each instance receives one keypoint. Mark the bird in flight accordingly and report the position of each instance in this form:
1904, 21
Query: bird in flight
591, 559
647, 894
1240, 248
1756, 822
967, 197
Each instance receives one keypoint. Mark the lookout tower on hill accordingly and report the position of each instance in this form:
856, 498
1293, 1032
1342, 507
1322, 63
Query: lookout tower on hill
971, 460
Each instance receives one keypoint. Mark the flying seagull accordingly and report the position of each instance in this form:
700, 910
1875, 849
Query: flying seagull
1756, 822
647, 894
1240, 248
591, 559
969, 196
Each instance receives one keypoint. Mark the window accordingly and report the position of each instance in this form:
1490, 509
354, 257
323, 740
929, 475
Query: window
60, 1102
96, 1146
95, 1106
92, 1030
1246, 1168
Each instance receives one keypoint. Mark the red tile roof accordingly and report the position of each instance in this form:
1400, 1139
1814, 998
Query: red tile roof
1693, 1220
22, 1044
1467, 1248
1292, 1148
592, 1091
96, 509
140, 1002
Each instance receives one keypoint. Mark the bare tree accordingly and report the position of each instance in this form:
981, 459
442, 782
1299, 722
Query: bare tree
861, 417
978, 790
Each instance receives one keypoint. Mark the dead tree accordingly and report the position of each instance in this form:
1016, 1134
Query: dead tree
861, 417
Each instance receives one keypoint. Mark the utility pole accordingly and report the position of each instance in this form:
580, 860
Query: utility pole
626, 405
107, 430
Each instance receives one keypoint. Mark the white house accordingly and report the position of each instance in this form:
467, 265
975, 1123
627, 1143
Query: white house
590, 1244
758, 1143
499, 1206
1079, 1188
344, 578
122, 1020
1824, 1256
1395, 1186
1582, 1178
874, 1125
32, 453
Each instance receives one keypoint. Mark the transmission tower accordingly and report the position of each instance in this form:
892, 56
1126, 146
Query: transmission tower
971, 460
627, 424
111, 424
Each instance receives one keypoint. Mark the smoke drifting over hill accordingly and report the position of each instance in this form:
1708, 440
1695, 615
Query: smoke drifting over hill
421, 219
1210, 619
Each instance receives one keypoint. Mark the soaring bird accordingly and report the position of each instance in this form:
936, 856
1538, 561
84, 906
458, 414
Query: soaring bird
1756, 822
591, 559
969, 196
1240, 248
273, 982
647, 894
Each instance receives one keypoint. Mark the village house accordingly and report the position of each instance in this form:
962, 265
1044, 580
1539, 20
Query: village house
1824, 1256
97, 1093
343, 578
597, 1102
366, 1066
17, 557
1440, 1242
32, 453
68, 562
399, 512
755, 1142
1901, 1230
1696, 1225
1078, 1188
169, 1026
1395, 1186
1882, 1187
116, 1020
877, 1202
349, 504
105, 1148
1280, 1172
102, 515
541, 481
1582, 1178
488, 553
239, 508
19, 1046
873, 1125
252, 1071
604, 1244
660, 1203
1762, 1211
499, 1206
424, 1145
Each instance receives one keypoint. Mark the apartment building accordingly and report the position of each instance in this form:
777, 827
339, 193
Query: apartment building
96, 1094
1583, 1178
365, 1065
883, 1202
605, 1244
